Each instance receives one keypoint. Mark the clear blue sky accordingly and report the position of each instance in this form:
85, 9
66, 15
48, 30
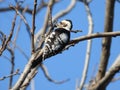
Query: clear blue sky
70, 63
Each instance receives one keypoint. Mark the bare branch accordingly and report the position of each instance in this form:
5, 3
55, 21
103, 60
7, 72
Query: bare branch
10, 9
66, 11
23, 18
75, 31
39, 37
8, 76
3, 39
108, 76
21, 51
89, 44
48, 12
18, 29
40, 6
9, 37
33, 27
11, 50
106, 42
29, 77
38, 54
85, 1
44, 69
27, 70
94, 35
12, 65
44, 4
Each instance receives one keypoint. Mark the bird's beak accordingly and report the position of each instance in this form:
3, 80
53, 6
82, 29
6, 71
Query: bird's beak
56, 25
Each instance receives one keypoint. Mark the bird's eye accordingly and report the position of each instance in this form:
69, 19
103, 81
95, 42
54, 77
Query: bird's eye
64, 25
61, 23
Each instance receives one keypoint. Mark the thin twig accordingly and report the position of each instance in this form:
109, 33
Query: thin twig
18, 29
11, 50
108, 76
12, 64
3, 39
33, 27
75, 31
27, 70
65, 11
5, 9
39, 37
89, 44
23, 18
48, 12
44, 4
44, 69
10, 35
13, 74
21, 51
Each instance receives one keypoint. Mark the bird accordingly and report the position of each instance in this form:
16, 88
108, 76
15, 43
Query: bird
56, 41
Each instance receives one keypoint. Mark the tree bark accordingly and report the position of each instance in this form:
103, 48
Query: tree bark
106, 42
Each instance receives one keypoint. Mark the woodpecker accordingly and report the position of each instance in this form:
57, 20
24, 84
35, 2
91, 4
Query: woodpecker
58, 39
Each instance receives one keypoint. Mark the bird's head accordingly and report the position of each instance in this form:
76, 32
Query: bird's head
66, 24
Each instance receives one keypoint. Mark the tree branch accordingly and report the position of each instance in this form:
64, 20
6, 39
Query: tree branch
94, 35
106, 42
9, 37
12, 74
29, 70
10, 9
12, 65
89, 44
44, 69
66, 11
39, 37
33, 27
23, 18
108, 76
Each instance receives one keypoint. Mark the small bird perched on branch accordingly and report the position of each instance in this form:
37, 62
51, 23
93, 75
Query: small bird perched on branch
56, 41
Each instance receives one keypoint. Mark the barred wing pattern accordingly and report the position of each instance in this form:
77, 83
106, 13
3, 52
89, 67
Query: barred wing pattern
55, 42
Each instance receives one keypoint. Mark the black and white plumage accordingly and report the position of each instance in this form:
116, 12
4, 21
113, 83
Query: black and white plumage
57, 39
